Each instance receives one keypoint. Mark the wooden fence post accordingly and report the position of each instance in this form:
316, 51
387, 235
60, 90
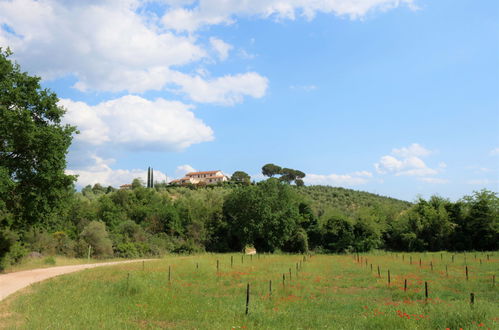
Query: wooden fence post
247, 298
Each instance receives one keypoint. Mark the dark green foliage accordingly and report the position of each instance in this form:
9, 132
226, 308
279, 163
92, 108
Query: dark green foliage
338, 234
150, 177
33, 148
437, 224
240, 177
289, 175
477, 222
271, 169
298, 242
264, 215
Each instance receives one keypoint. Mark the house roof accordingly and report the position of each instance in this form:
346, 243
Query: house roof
205, 172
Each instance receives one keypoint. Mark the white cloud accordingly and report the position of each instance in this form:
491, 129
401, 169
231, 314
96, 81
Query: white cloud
136, 123
494, 152
221, 47
115, 46
226, 90
414, 150
352, 179
408, 163
183, 170
211, 12
434, 180
102, 43
126, 45
101, 172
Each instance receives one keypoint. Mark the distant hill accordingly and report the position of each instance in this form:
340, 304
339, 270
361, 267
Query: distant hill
348, 201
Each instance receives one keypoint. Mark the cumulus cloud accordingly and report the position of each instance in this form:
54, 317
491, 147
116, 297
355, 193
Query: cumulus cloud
408, 163
101, 172
132, 45
95, 41
115, 46
221, 48
134, 123
414, 150
211, 12
226, 90
352, 179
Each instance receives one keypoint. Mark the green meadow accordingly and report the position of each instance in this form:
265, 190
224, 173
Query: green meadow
285, 292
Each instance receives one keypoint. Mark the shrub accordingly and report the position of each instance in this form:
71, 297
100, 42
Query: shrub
96, 236
11, 250
49, 261
41, 241
63, 244
298, 242
127, 250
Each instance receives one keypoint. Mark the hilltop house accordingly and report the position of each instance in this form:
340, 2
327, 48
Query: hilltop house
207, 177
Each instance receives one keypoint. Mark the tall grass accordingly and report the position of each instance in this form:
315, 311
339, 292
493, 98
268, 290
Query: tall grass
327, 291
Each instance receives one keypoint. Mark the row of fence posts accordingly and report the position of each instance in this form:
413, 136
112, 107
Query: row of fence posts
298, 268
466, 271
472, 295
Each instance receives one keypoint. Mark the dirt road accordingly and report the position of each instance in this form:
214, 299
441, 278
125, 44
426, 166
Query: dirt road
12, 282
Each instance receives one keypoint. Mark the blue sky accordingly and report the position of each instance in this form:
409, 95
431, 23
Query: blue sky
400, 98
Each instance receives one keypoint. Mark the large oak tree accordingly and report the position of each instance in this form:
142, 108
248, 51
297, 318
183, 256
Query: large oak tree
33, 147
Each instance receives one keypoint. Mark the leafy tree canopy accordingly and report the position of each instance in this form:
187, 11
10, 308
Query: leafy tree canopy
271, 169
33, 147
240, 176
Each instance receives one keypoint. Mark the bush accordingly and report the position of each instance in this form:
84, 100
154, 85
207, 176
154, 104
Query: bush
49, 261
11, 250
298, 242
63, 244
127, 250
96, 236
40, 241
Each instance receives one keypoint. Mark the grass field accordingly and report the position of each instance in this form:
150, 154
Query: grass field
322, 291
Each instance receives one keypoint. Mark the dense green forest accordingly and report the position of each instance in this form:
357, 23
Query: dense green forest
40, 211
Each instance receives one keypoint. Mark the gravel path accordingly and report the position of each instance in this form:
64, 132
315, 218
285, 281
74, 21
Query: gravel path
12, 282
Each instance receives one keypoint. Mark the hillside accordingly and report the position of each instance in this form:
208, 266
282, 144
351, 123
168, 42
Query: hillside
348, 201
